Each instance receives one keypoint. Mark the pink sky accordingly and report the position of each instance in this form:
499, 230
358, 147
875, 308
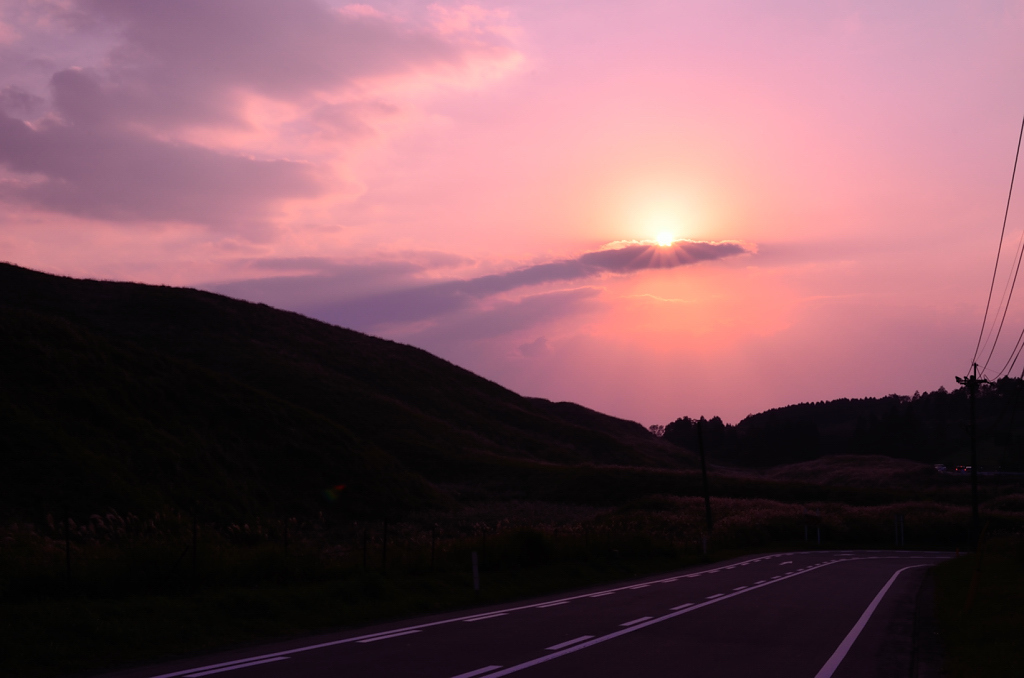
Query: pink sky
488, 181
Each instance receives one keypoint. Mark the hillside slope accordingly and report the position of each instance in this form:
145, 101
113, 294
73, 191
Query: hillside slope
120, 392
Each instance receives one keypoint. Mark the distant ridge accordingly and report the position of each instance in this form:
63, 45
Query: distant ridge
140, 396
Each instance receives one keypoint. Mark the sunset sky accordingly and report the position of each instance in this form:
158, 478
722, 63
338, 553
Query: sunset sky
653, 209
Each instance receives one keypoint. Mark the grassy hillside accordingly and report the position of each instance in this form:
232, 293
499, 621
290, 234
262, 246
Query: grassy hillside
137, 396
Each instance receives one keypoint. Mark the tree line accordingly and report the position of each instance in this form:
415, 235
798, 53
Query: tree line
930, 427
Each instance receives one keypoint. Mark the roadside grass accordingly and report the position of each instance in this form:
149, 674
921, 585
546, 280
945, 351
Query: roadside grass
983, 637
136, 595
78, 633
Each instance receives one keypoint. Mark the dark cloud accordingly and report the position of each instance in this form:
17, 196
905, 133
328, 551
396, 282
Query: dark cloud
121, 176
535, 348
106, 150
508, 317
428, 301
184, 62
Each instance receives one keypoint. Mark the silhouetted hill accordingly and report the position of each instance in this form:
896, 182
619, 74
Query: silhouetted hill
119, 393
926, 427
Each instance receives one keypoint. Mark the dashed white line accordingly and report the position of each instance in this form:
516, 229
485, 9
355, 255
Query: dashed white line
471, 674
759, 582
739, 588
234, 666
483, 617
567, 643
679, 607
392, 635
715, 595
616, 634
635, 621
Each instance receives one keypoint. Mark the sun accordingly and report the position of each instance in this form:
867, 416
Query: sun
664, 240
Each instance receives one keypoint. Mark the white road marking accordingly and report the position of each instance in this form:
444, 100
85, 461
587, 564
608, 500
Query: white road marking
786, 562
837, 657
471, 674
739, 588
759, 582
485, 616
665, 581
635, 621
392, 635
776, 576
788, 573
234, 666
679, 607
567, 643
638, 586
356, 639
557, 602
715, 595
636, 627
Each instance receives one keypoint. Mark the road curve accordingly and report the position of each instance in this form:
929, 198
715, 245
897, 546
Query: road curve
813, 614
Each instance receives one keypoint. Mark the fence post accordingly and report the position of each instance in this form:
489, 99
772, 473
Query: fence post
433, 541
67, 542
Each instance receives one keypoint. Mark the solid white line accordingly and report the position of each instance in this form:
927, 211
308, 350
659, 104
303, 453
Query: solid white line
665, 581
636, 627
486, 616
356, 639
546, 605
471, 674
679, 607
638, 586
635, 621
837, 657
393, 635
233, 667
567, 643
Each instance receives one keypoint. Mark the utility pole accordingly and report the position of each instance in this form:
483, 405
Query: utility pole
971, 381
704, 472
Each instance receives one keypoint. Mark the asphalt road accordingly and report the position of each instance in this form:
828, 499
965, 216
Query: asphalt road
803, 614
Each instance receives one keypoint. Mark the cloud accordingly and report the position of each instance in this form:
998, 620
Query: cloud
507, 317
535, 348
211, 112
432, 300
121, 176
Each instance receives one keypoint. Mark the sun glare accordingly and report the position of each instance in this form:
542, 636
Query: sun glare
664, 240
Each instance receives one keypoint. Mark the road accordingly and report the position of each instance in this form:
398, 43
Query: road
802, 614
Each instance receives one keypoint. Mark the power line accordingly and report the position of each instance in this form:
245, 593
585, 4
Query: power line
999, 250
